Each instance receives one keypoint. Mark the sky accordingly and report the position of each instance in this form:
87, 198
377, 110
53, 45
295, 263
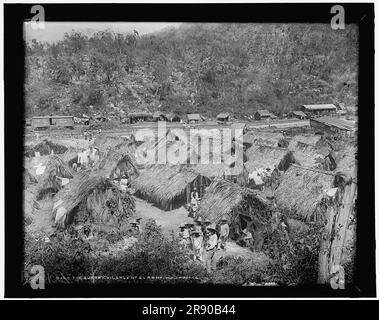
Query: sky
54, 31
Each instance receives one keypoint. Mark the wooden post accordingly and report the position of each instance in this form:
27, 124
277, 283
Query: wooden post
335, 239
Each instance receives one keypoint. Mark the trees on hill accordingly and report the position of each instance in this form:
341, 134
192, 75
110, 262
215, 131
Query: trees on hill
198, 67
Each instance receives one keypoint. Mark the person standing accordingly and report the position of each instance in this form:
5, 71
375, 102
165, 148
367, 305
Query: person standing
195, 200
197, 244
211, 247
187, 234
224, 232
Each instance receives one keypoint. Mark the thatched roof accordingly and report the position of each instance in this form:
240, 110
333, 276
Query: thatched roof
222, 197
301, 190
45, 147
95, 193
48, 183
70, 156
347, 162
268, 157
258, 138
115, 162
104, 142
164, 185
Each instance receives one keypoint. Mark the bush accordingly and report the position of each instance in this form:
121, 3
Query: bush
294, 261
63, 258
153, 256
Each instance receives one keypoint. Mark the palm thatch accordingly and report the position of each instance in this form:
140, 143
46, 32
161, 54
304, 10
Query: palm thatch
301, 191
223, 197
347, 162
46, 147
114, 164
48, 183
70, 156
257, 138
268, 157
94, 197
104, 142
166, 186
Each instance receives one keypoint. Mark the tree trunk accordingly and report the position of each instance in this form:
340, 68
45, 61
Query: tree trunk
334, 248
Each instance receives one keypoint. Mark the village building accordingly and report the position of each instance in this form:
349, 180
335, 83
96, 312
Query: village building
55, 175
93, 198
223, 117
298, 114
159, 116
318, 109
332, 126
139, 117
194, 118
242, 206
169, 187
264, 115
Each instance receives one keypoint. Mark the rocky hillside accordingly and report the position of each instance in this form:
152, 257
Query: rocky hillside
206, 68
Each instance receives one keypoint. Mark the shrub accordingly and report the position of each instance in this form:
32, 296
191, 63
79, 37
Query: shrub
294, 261
63, 258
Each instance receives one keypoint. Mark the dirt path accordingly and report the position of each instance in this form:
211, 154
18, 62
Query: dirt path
168, 220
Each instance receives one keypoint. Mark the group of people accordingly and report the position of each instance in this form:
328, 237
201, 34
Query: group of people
204, 238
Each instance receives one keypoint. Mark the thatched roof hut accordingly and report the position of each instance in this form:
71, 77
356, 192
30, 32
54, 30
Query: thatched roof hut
223, 197
46, 147
114, 164
167, 186
104, 142
70, 156
268, 157
301, 191
49, 183
92, 197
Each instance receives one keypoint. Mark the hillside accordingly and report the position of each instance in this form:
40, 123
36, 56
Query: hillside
206, 68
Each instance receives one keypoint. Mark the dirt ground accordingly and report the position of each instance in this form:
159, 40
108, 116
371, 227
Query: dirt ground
168, 220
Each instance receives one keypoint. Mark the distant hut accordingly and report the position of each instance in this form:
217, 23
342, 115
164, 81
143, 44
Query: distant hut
298, 114
223, 117
159, 116
49, 183
262, 114
92, 198
241, 205
139, 117
318, 109
169, 187
194, 118
173, 117
301, 192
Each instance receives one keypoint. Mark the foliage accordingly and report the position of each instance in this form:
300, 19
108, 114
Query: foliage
294, 257
63, 258
204, 68
153, 258
238, 271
